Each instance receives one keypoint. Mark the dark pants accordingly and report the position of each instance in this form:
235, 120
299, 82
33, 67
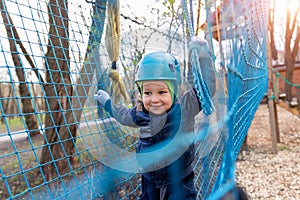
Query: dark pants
180, 190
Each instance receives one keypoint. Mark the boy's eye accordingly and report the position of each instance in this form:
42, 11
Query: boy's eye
163, 92
147, 93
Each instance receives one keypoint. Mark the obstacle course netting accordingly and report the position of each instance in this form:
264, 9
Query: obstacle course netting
57, 142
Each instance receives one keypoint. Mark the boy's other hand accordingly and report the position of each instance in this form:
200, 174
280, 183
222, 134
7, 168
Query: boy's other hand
102, 96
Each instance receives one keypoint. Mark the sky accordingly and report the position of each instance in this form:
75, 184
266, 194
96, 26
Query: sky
138, 7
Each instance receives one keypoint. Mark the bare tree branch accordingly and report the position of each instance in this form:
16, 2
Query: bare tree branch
18, 41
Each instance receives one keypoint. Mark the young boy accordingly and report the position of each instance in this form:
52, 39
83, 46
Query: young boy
161, 115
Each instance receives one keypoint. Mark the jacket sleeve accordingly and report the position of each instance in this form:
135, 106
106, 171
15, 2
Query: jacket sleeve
121, 113
108, 107
189, 101
208, 74
206, 62
124, 115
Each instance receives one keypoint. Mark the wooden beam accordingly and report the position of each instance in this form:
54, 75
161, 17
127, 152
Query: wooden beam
271, 103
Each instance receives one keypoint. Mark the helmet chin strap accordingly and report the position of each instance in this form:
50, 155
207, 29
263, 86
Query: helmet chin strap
140, 87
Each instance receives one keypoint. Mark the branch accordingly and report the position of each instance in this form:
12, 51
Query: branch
296, 44
295, 19
8, 20
288, 34
297, 39
143, 24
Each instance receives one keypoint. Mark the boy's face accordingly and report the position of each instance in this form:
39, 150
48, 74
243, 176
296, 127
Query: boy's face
156, 97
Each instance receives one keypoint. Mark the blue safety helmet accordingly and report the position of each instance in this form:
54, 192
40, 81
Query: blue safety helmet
158, 66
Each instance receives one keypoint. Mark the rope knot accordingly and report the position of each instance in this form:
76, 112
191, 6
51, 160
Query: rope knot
114, 75
117, 89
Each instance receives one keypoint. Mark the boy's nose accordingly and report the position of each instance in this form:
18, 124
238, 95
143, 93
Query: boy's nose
154, 98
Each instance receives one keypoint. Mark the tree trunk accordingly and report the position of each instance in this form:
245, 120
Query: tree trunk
10, 105
27, 107
290, 65
2, 101
291, 52
298, 100
60, 129
288, 56
271, 33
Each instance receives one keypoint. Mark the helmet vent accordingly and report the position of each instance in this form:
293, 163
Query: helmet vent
172, 67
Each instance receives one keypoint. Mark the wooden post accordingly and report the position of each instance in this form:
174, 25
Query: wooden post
276, 122
275, 89
271, 103
272, 121
298, 100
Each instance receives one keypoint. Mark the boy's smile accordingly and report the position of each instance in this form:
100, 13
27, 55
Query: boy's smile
156, 97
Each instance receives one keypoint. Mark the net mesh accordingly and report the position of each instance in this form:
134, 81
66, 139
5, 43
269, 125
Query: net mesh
55, 139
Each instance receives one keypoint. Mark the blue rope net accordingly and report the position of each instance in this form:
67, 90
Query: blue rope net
57, 142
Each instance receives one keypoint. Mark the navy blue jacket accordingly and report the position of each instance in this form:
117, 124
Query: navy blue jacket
170, 133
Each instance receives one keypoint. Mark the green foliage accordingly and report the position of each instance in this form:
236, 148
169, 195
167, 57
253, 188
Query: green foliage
17, 123
283, 147
169, 4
